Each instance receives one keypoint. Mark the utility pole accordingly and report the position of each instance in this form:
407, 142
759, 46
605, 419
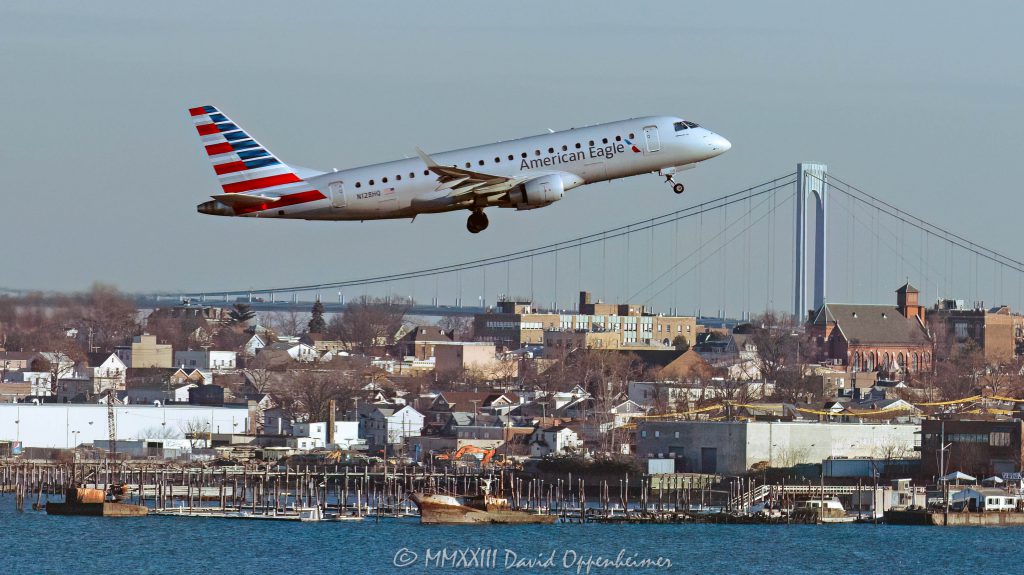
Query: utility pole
111, 424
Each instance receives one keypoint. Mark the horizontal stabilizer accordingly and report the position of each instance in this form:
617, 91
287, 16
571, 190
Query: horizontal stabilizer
242, 200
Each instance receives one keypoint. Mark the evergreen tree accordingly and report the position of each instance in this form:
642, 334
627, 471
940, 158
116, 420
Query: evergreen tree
316, 320
240, 314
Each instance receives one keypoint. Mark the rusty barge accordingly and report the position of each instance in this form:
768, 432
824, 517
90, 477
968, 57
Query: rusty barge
441, 509
93, 502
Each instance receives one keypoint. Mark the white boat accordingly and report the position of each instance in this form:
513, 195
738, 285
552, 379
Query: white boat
822, 511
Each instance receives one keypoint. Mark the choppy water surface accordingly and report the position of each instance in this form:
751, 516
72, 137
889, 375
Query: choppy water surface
33, 542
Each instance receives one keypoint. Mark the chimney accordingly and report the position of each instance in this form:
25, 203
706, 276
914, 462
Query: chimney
330, 421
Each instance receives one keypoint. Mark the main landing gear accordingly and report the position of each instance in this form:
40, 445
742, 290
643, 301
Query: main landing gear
676, 187
477, 221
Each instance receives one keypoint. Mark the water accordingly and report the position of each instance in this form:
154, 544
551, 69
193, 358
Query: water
33, 542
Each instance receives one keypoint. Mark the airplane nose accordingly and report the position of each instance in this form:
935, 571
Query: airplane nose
718, 144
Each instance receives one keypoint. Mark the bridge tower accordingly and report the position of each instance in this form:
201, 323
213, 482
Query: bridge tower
811, 181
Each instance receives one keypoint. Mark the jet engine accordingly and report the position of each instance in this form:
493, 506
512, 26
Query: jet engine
538, 192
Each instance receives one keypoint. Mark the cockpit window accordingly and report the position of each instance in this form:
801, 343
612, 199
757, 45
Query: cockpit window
691, 124
679, 126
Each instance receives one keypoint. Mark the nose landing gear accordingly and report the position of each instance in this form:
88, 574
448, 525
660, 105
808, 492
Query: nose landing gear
676, 187
477, 221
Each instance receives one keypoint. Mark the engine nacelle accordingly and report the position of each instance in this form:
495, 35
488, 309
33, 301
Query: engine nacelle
538, 192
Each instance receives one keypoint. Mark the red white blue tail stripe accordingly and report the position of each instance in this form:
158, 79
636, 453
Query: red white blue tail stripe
243, 165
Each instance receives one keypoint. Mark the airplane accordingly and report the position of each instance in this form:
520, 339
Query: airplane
523, 174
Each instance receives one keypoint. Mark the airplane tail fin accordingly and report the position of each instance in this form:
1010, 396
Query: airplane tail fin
244, 166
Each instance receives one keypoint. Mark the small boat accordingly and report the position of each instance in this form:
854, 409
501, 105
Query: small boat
821, 511
441, 509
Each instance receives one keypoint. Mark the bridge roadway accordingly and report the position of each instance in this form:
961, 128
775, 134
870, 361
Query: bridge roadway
150, 302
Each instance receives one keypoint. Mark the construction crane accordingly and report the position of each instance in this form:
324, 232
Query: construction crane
111, 425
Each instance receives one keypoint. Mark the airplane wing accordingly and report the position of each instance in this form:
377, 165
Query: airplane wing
466, 184
243, 200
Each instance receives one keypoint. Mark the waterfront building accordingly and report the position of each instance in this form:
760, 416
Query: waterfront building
61, 426
980, 445
733, 447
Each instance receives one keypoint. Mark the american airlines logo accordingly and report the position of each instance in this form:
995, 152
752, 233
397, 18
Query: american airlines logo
593, 152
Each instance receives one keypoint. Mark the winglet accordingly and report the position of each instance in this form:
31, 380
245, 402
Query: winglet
426, 158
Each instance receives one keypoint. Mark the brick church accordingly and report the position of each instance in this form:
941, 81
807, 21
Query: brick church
892, 340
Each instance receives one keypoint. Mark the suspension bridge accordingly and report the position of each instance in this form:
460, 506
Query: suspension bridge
787, 244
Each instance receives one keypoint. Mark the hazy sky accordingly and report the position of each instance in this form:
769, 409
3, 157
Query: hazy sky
919, 102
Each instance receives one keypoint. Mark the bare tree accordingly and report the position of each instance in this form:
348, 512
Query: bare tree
195, 430
159, 432
459, 326
258, 373
309, 392
958, 375
367, 323
288, 322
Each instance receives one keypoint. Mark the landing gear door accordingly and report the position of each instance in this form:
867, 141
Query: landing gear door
652, 142
337, 194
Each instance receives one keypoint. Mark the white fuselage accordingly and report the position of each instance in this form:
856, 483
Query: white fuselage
579, 156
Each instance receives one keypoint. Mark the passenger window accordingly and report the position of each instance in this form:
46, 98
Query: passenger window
426, 172
524, 154
591, 142
578, 145
537, 152
604, 140
618, 138
510, 157
481, 162
358, 184
371, 182
384, 180
468, 164
551, 150
398, 177
412, 174
497, 160
631, 136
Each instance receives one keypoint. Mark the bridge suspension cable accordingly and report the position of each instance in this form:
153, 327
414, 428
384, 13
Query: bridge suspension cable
574, 243
929, 228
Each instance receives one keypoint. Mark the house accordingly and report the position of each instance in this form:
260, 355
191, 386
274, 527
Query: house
387, 425
253, 345
208, 395
421, 341
297, 351
145, 352
558, 439
205, 359
15, 361
474, 402
108, 371
308, 435
276, 421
